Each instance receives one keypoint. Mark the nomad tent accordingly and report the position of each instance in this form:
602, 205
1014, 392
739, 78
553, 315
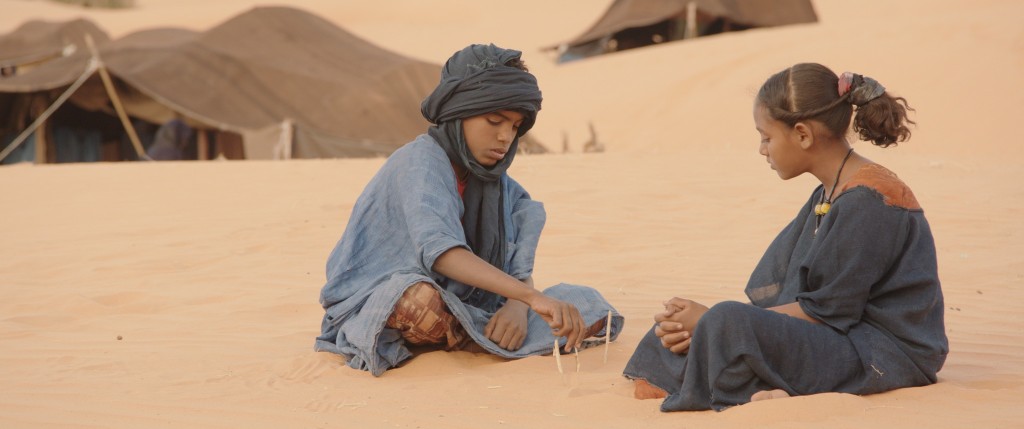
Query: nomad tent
287, 83
33, 49
629, 24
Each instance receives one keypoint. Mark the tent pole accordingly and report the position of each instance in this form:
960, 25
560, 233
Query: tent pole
121, 114
41, 142
691, 20
218, 146
289, 135
202, 146
116, 101
49, 111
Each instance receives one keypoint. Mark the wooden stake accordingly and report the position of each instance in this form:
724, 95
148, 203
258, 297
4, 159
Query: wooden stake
558, 357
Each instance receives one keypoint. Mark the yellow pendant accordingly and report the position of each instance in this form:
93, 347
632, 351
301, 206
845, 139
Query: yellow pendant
823, 208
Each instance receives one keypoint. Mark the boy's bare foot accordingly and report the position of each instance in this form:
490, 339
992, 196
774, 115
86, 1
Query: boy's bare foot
645, 390
769, 394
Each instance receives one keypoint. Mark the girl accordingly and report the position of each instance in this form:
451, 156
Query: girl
847, 297
440, 246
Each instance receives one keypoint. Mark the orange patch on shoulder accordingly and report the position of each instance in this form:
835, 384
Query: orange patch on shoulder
885, 182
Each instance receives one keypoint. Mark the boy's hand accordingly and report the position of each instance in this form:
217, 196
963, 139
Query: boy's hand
563, 318
507, 328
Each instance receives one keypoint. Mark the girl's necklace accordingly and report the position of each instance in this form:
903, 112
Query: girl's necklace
826, 203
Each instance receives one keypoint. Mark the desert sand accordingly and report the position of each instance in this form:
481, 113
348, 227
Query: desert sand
184, 294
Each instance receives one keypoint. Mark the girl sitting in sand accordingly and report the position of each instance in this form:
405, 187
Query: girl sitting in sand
439, 248
847, 297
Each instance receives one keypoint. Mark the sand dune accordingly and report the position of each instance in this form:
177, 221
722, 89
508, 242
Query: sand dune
184, 294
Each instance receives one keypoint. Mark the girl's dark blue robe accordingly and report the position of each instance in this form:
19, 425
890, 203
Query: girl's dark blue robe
868, 273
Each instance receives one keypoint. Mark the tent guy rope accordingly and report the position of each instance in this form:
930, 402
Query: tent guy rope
115, 100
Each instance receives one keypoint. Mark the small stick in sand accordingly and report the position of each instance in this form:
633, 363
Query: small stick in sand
607, 336
558, 357
577, 351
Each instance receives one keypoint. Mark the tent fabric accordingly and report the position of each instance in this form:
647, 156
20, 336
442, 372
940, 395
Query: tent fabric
344, 95
36, 41
47, 55
625, 14
281, 63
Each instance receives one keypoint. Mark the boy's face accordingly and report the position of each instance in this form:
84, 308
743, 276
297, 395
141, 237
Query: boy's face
490, 135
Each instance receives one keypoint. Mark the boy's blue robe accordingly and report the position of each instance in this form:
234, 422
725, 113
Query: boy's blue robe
408, 215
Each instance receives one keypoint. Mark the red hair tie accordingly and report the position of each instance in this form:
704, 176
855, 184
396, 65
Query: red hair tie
845, 83
862, 89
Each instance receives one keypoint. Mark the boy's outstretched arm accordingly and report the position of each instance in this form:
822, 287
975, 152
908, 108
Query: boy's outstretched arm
462, 265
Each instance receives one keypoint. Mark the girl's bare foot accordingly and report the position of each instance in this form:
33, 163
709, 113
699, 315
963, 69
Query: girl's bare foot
769, 394
645, 390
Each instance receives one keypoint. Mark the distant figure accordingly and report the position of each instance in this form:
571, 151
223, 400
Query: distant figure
846, 299
439, 249
170, 141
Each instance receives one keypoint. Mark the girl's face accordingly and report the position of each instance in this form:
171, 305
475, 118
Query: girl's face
490, 135
780, 144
